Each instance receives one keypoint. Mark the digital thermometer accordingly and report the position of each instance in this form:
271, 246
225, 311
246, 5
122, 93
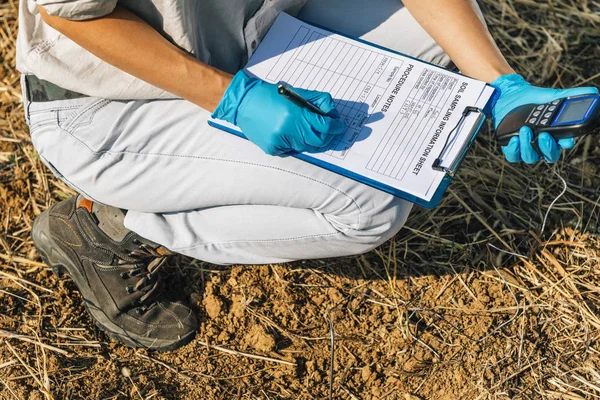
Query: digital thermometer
562, 118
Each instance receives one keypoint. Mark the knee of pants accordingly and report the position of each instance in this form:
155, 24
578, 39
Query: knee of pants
379, 223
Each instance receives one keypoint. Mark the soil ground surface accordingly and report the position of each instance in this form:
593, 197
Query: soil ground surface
477, 299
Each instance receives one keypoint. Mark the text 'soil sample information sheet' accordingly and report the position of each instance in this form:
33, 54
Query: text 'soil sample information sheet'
398, 110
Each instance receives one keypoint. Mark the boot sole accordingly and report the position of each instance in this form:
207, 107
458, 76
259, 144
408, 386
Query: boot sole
61, 265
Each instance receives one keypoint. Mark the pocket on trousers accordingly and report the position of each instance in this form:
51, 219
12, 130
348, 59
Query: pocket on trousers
83, 116
67, 115
90, 123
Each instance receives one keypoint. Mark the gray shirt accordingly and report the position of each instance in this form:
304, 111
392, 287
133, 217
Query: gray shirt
222, 33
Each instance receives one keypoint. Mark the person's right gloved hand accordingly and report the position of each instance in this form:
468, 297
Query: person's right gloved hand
275, 124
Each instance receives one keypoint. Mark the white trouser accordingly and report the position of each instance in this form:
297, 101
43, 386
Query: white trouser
210, 195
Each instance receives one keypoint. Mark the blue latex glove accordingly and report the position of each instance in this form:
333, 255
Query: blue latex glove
514, 92
274, 123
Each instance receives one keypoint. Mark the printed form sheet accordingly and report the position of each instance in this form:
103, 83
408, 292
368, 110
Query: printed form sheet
399, 111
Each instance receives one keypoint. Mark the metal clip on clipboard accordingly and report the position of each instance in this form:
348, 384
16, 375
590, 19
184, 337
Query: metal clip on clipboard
452, 168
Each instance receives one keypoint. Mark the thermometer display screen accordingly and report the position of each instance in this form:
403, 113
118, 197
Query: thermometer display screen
574, 111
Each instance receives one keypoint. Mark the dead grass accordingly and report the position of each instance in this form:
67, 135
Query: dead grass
472, 300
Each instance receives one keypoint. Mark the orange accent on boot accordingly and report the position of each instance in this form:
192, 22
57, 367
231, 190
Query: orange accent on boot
162, 251
86, 203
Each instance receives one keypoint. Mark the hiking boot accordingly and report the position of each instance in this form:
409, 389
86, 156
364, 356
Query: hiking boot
117, 272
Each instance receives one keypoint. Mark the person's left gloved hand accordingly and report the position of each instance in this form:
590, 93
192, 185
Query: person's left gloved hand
515, 92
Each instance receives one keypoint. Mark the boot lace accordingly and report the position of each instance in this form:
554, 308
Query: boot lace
147, 266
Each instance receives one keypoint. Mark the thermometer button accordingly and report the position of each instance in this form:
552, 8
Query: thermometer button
551, 108
537, 113
540, 107
548, 115
532, 121
555, 102
544, 122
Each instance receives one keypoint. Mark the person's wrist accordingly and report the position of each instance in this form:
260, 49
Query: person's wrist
487, 72
197, 82
496, 72
224, 81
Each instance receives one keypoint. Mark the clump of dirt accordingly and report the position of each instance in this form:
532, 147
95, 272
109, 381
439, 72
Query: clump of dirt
259, 339
213, 304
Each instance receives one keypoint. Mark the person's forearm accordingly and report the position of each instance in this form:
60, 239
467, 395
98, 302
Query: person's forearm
456, 26
130, 44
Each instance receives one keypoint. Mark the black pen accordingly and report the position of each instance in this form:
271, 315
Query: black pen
295, 98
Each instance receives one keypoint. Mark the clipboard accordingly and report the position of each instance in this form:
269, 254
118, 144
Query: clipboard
439, 164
